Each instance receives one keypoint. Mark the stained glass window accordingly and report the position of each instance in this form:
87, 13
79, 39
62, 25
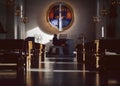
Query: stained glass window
60, 16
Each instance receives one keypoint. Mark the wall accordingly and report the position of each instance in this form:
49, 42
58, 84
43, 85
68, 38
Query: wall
84, 10
7, 20
38, 25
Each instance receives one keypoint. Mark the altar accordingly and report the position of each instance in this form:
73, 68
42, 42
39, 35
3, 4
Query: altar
66, 47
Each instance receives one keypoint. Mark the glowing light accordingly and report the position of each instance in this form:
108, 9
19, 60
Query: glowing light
59, 62
103, 31
40, 36
21, 7
112, 82
48, 70
60, 17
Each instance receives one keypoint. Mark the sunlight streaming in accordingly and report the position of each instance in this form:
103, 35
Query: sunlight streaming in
40, 36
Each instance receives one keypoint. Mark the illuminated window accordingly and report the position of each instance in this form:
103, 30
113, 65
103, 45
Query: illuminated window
60, 16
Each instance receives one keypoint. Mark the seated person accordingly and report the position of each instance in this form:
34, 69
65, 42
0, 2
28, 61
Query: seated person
55, 40
58, 42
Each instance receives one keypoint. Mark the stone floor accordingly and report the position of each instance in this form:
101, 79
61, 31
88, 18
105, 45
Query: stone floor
62, 71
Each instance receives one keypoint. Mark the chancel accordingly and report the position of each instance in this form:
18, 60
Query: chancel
59, 43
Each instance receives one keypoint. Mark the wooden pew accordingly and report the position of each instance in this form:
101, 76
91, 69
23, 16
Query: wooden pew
35, 58
37, 54
79, 50
111, 61
87, 51
90, 58
12, 57
43, 52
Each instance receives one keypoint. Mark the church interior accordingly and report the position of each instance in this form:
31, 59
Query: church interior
59, 42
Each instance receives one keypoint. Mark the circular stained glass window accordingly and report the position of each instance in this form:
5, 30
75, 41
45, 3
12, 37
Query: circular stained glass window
60, 16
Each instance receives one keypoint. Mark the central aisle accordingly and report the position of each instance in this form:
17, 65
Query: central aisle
62, 71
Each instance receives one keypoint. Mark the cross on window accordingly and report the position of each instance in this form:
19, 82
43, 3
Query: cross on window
60, 16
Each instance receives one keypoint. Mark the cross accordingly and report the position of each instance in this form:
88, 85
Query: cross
60, 17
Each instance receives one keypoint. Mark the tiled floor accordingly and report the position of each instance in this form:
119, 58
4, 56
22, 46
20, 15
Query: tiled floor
63, 71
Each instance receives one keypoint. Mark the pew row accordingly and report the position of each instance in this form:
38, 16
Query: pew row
103, 54
12, 51
85, 54
13, 58
109, 54
36, 53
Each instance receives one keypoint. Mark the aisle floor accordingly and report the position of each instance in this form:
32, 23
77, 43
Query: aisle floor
64, 71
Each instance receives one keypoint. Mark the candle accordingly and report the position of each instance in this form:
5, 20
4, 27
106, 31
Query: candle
102, 32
